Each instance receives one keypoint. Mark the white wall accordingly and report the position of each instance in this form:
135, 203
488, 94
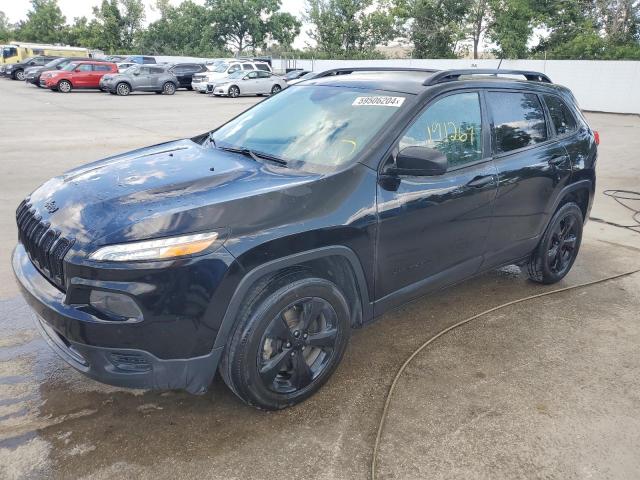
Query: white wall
606, 86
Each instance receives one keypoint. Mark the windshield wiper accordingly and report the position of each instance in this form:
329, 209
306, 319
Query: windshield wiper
255, 155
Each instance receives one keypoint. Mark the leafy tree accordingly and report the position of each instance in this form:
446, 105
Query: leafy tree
6, 29
44, 24
183, 30
117, 24
350, 28
511, 28
251, 24
434, 26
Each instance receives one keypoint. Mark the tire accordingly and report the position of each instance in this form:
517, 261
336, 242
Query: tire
190, 89
275, 89
168, 88
272, 363
123, 89
557, 251
18, 75
64, 86
234, 91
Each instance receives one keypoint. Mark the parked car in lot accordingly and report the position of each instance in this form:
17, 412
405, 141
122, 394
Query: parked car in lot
81, 75
16, 71
184, 72
141, 78
256, 82
306, 76
140, 59
203, 82
32, 74
294, 75
255, 248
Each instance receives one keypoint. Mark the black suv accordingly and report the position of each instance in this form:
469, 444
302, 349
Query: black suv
184, 73
256, 248
15, 71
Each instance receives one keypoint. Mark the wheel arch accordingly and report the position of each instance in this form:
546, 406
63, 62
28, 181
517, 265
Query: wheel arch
580, 192
337, 263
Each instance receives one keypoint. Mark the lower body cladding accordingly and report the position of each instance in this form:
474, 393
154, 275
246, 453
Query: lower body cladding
106, 350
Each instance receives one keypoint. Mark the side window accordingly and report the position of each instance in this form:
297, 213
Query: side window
262, 66
234, 68
452, 125
85, 67
262, 74
252, 75
561, 116
156, 70
247, 66
102, 68
518, 120
144, 70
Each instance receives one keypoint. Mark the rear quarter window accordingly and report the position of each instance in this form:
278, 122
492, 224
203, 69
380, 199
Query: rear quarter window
561, 116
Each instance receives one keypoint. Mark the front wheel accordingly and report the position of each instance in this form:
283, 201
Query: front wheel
123, 89
64, 86
168, 88
275, 89
288, 341
234, 91
558, 249
19, 75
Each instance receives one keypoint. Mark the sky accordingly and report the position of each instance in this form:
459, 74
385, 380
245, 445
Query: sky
16, 10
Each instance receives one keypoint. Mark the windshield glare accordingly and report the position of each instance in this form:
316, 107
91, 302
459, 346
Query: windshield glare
317, 125
69, 67
221, 68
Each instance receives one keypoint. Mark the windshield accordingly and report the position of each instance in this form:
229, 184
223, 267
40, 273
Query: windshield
131, 69
319, 125
69, 67
55, 62
8, 52
221, 68
307, 76
238, 74
291, 75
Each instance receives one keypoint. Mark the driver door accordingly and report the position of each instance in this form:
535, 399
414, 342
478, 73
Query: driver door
432, 229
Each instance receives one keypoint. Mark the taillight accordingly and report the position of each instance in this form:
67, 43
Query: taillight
596, 137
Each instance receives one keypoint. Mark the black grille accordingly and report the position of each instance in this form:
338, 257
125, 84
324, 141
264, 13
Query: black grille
45, 246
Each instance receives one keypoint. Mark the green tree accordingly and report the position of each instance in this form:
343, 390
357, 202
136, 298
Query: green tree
6, 29
183, 30
433, 26
44, 24
511, 28
350, 28
251, 24
117, 24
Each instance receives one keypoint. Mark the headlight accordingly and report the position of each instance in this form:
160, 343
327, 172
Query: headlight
160, 249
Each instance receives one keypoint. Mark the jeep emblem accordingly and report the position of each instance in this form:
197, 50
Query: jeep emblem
51, 206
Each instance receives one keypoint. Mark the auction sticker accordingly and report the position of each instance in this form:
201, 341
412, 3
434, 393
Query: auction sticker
378, 101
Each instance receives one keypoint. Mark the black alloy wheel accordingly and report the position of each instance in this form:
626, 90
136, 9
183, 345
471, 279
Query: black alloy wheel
288, 340
298, 345
558, 249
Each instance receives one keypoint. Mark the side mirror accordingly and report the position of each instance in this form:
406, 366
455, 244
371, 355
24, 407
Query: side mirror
137, 72
420, 161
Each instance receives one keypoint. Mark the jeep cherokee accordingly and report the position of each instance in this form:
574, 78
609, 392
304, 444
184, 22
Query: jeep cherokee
254, 249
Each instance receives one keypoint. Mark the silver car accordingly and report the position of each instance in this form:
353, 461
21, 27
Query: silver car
255, 82
141, 78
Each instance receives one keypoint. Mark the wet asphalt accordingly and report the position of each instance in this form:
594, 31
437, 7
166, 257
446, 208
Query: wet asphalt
543, 389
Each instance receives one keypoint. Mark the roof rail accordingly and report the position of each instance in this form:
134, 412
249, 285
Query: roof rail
452, 75
347, 70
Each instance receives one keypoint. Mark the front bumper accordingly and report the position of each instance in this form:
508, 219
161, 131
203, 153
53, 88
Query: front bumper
63, 325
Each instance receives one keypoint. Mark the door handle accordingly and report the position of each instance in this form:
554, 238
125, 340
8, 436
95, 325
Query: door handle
480, 181
558, 159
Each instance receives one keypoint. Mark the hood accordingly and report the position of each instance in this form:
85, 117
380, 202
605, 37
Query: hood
168, 189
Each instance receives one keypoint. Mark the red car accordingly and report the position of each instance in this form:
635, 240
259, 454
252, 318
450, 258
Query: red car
85, 74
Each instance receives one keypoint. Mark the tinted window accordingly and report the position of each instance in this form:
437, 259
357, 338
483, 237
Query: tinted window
252, 75
85, 67
247, 66
262, 66
452, 125
234, 68
102, 68
262, 74
144, 70
518, 120
561, 115
156, 71
148, 60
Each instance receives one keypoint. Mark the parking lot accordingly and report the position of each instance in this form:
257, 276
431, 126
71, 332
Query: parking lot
547, 388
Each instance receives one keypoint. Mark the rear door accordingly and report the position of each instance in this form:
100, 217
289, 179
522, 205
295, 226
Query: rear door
144, 80
264, 82
100, 71
533, 166
251, 84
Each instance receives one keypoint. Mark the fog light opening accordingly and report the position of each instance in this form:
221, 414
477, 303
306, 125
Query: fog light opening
117, 306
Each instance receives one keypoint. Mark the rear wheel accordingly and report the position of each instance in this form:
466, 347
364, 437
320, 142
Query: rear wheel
19, 75
234, 91
168, 88
558, 249
123, 89
275, 89
64, 86
287, 343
